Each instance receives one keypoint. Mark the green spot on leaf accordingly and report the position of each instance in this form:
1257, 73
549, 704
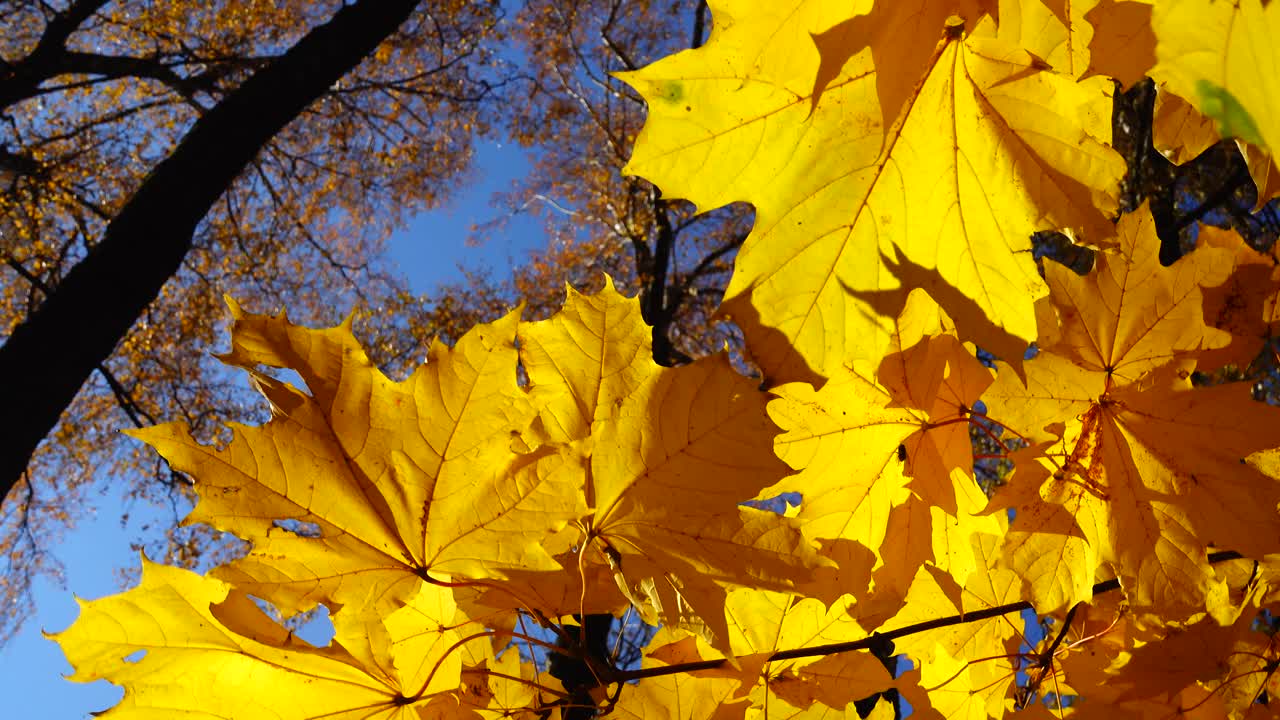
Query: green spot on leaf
1233, 120
671, 91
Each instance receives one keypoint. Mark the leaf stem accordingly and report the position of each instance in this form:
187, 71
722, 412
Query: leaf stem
523, 681
475, 636
525, 605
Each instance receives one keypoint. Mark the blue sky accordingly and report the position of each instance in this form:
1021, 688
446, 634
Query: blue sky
430, 251
434, 245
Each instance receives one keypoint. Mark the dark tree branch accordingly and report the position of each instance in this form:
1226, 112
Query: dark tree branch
705, 264
686, 284
15, 164
22, 79
878, 640
1224, 193
123, 397
117, 66
139, 417
1151, 177
76, 329
699, 24
654, 300
586, 656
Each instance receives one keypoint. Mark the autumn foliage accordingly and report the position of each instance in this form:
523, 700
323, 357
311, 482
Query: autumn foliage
201, 148
788, 536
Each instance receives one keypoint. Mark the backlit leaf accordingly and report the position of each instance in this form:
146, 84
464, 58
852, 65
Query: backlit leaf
208, 651
1221, 57
838, 241
391, 506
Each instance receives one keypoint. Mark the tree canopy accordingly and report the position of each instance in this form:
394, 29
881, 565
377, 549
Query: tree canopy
964, 476
155, 155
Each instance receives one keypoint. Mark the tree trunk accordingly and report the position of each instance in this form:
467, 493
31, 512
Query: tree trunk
49, 356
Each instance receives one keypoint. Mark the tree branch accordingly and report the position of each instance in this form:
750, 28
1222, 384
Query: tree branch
76, 329
654, 300
113, 67
879, 639
22, 79
1224, 192
699, 24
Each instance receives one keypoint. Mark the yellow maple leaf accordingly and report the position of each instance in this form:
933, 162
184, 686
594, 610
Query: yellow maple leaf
844, 442
889, 455
1149, 470
1208, 669
899, 35
704, 694
664, 509
583, 361
182, 643
1244, 303
911, 430
676, 569
1178, 130
1082, 38
1180, 657
1222, 57
762, 623
1181, 133
952, 687
1044, 545
968, 667
1056, 31
498, 687
1122, 45
934, 593
711, 451
388, 506
1037, 27
1130, 315
837, 241
1262, 168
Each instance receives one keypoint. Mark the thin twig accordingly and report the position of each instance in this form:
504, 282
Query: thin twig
876, 639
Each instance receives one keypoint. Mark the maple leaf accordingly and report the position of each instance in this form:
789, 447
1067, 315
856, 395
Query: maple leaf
984, 126
1041, 30
677, 573
182, 643
888, 454
1177, 658
1150, 469
934, 589
968, 668
584, 361
762, 623
1181, 133
1122, 45
899, 155
1178, 130
390, 506
664, 505
1081, 38
1244, 302
1221, 57
704, 694
1130, 315
1262, 168
1144, 670
900, 35
498, 686
1044, 545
